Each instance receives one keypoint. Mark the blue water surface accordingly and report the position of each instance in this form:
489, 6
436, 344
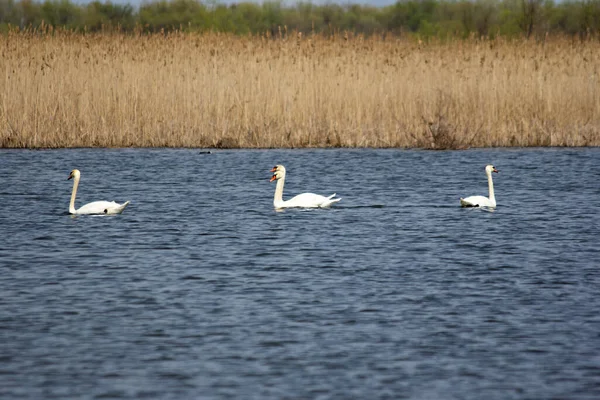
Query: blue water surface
200, 289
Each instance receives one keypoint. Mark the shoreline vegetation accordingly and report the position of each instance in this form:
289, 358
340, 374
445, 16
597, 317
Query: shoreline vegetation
425, 18
62, 89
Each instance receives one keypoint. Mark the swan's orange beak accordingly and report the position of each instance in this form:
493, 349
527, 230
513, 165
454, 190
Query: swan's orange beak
273, 169
70, 176
495, 170
272, 178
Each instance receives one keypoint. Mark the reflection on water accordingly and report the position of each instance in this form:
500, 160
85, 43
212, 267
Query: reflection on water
200, 287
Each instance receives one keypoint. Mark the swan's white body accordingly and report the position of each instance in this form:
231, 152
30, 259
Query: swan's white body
304, 200
96, 207
482, 201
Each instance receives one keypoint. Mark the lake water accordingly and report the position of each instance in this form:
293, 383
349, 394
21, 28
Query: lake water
201, 290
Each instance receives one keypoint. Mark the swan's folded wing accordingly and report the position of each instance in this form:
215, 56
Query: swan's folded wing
96, 207
465, 203
476, 201
309, 200
102, 207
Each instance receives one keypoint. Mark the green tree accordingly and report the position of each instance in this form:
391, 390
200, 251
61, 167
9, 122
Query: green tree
61, 13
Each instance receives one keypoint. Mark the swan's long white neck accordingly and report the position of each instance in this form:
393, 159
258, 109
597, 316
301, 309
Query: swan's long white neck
72, 204
491, 187
278, 199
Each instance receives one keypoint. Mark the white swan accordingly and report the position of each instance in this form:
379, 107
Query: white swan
96, 207
482, 201
306, 200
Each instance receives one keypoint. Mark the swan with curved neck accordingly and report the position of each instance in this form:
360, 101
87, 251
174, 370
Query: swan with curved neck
305, 200
96, 207
482, 201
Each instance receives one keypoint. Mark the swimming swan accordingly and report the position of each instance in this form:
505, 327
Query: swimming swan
482, 201
96, 207
306, 200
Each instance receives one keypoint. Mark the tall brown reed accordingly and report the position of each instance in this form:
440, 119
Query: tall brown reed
61, 89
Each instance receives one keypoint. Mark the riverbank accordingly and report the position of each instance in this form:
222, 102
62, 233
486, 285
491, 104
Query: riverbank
224, 91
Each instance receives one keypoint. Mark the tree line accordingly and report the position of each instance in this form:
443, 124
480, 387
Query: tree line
426, 18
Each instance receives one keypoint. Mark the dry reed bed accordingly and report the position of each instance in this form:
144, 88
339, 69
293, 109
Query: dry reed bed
211, 90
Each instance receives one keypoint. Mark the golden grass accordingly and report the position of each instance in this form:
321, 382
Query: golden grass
214, 90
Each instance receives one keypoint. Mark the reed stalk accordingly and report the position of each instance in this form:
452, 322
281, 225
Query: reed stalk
61, 89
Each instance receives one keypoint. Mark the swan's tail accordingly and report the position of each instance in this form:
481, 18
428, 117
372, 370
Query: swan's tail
330, 200
120, 209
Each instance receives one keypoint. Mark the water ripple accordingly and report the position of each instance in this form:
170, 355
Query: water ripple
201, 289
